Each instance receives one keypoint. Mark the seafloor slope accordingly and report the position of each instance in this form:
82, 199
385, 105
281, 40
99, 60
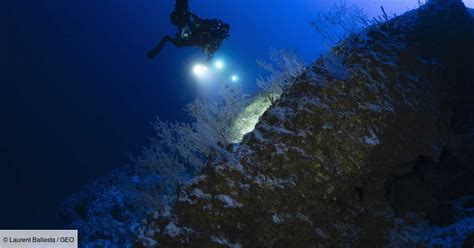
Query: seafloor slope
371, 147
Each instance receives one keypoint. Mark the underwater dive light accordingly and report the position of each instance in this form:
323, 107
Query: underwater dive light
200, 70
219, 64
234, 78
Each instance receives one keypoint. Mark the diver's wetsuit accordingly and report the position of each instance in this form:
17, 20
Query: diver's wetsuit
194, 31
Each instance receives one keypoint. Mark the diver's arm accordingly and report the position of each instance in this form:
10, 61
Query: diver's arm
210, 55
182, 5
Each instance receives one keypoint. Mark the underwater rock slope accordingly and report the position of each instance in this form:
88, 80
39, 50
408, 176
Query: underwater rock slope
107, 211
379, 128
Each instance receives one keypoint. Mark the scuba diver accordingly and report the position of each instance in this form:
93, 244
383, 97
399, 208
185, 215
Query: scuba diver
207, 34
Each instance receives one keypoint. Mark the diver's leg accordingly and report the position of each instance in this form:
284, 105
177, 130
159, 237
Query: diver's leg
178, 42
155, 51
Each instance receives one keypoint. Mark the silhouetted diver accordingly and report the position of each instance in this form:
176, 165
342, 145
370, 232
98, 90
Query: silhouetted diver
207, 34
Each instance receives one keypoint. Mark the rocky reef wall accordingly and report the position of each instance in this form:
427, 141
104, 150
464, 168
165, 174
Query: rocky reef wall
378, 128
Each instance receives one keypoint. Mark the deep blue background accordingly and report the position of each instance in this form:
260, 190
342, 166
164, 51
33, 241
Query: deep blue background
77, 92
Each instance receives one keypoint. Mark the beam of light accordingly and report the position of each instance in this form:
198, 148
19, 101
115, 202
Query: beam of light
249, 117
200, 70
219, 64
234, 78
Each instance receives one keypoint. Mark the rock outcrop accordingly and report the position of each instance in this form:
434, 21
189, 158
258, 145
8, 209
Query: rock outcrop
108, 211
378, 129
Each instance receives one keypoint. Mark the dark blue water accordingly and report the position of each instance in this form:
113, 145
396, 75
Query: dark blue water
78, 94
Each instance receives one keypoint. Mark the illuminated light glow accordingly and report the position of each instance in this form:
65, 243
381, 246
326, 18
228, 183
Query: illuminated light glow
234, 78
219, 64
248, 119
200, 70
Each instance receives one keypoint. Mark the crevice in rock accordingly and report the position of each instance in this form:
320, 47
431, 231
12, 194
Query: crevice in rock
429, 188
360, 192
